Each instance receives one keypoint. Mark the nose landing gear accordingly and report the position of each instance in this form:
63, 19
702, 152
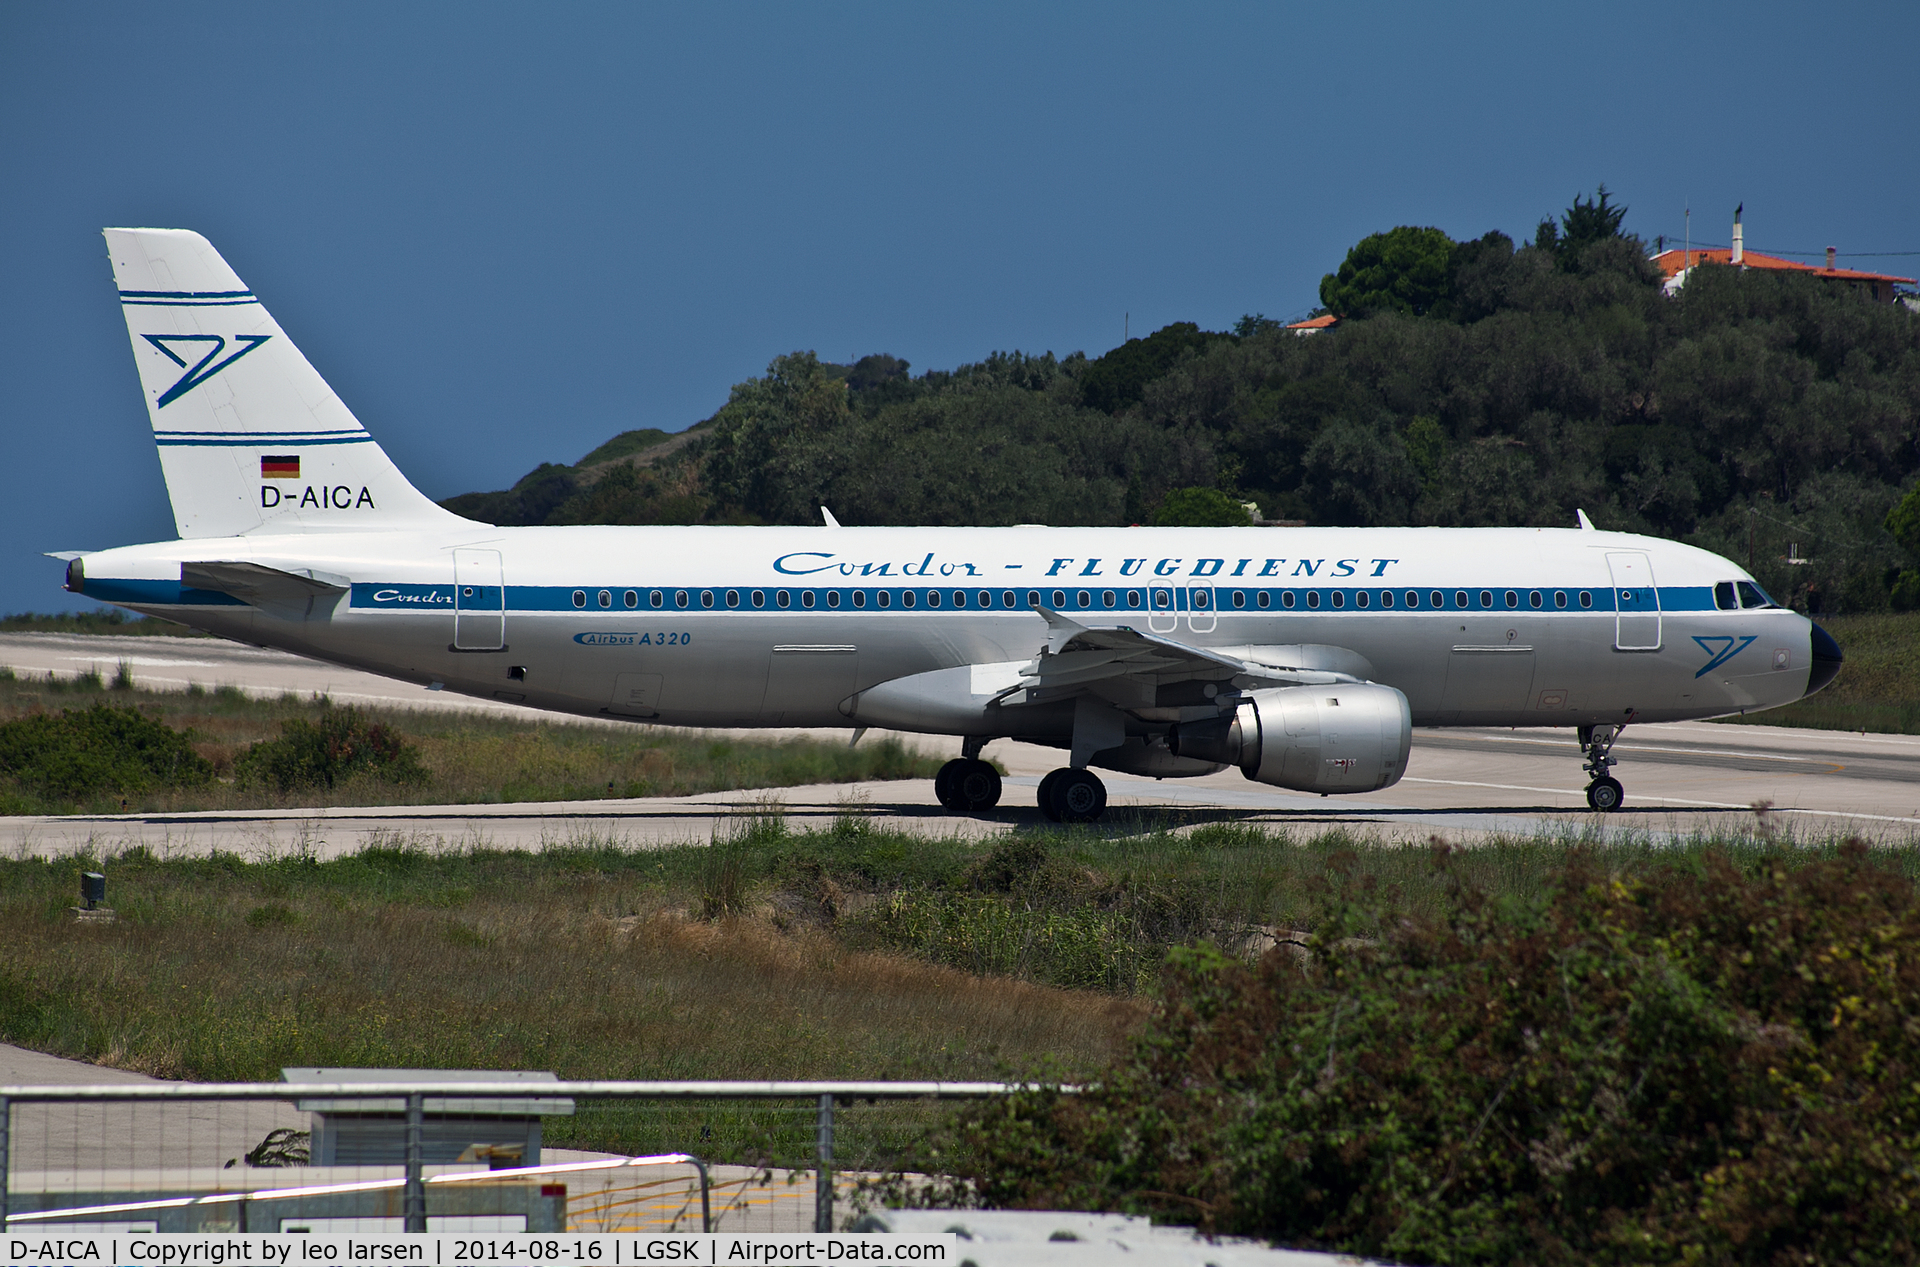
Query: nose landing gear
1596, 744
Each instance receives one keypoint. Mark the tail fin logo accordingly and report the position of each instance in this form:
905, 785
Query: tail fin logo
207, 366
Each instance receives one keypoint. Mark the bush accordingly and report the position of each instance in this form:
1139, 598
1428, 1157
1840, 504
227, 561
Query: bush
1201, 508
341, 744
97, 751
1701, 1065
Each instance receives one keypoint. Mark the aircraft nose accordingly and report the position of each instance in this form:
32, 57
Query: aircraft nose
1826, 660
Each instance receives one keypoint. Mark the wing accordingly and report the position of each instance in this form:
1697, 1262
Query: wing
1133, 671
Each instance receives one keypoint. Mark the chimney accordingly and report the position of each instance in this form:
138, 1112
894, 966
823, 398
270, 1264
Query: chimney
1739, 246
1829, 259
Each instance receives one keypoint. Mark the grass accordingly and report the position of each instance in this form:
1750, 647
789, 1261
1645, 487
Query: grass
102, 621
471, 758
1878, 688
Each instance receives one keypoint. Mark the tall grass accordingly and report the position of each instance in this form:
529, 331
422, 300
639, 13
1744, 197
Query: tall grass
470, 758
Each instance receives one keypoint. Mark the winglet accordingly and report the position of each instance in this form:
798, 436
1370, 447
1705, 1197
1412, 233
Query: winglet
1060, 630
1586, 524
828, 516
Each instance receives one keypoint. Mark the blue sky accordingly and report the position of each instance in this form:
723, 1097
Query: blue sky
506, 232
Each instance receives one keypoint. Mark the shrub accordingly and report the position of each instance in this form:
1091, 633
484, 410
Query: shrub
96, 751
1702, 1065
341, 744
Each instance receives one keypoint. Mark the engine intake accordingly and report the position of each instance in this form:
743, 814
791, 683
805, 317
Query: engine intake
1347, 738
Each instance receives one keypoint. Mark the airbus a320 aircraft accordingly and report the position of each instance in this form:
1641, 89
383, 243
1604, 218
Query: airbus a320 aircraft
1304, 656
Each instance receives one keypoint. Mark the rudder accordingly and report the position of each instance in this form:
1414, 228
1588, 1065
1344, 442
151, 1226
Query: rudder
251, 437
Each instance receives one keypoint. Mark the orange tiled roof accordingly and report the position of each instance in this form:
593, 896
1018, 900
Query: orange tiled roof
1314, 323
1674, 262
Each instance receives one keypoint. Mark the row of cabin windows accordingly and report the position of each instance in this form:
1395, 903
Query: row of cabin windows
1162, 600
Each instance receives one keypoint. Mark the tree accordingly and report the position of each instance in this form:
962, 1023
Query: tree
1117, 379
1402, 270
1583, 224
1201, 508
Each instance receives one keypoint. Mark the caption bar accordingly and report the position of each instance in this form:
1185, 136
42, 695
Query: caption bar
356, 1249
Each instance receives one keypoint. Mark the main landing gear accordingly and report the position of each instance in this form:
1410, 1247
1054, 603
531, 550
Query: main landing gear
966, 785
1073, 796
1596, 744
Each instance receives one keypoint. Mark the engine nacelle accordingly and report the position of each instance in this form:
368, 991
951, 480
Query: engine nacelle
1348, 738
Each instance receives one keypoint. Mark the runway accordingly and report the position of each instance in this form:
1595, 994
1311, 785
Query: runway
1460, 785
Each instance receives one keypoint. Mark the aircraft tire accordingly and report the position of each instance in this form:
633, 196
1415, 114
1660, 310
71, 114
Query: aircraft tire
976, 787
1078, 796
946, 785
1045, 794
1606, 794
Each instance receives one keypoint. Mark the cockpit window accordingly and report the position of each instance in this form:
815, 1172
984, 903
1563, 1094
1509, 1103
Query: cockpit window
1723, 597
1752, 595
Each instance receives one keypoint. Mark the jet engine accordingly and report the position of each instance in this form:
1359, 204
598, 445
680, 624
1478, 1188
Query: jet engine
1353, 737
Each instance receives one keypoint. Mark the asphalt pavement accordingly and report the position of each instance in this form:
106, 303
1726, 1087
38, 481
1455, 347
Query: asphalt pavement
1460, 785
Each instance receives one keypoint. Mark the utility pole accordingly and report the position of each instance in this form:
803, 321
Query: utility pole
1753, 517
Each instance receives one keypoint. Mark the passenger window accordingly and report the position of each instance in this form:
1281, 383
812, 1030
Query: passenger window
758, 598
680, 598
657, 598
883, 598
1106, 598
1264, 599
1197, 598
1413, 598
833, 598
1286, 599
806, 598
1560, 598
859, 598
1533, 599
1486, 599
706, 598
1059, 599
1460, 599
1033, 598
1437, 599
1386, 598
579, 598
606, 599
781, 598
1313, 598
1086, 599
1359, 600
1513, 599
1239, 598
1133, 598
1006, 598
1723, 597
1339, 598
733, 598
1586, 598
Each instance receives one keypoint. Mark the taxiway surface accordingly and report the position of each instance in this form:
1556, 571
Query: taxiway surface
1680, 778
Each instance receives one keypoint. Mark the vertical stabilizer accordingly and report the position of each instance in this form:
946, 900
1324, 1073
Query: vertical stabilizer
251, 437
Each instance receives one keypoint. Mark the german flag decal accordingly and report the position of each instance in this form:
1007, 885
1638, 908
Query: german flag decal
275, 466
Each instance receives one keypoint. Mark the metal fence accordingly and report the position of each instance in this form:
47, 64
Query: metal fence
168, 1157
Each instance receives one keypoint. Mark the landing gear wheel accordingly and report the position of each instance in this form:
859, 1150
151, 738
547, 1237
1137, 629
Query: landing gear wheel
1076, 796
976, 786
1045, 794
946, 784
1605, 794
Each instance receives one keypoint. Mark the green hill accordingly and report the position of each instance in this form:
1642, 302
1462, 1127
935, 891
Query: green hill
1760, 415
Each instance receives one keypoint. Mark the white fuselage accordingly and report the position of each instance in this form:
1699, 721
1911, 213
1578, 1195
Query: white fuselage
725, 626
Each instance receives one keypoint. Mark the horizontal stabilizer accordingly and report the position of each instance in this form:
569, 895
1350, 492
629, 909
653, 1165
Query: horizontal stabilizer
264, 587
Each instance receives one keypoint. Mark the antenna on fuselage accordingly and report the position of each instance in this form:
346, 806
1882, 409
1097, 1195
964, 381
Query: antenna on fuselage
828, 516
1586, 524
